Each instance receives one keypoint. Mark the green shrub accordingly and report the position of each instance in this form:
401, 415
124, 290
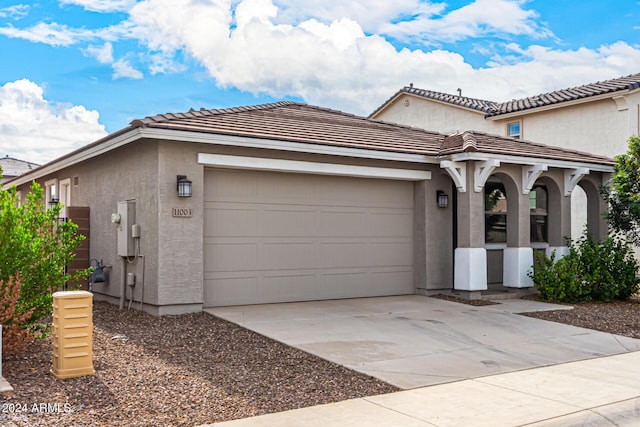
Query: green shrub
591, 271
36, 246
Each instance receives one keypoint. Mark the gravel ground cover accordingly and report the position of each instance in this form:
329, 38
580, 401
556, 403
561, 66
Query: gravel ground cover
617, 317
196, 368
174, 370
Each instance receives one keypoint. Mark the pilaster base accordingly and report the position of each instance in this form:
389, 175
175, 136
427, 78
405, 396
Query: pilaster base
517, 263
471, 269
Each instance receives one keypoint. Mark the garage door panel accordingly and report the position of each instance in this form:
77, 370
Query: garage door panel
392, 224
287, 287
287, 255
343, 255
390, 254
231, 256
288, 222
232, 222
231, 186
275, 237
347, 223
233, 290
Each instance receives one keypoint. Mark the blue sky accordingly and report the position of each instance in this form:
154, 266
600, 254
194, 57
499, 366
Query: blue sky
74, 70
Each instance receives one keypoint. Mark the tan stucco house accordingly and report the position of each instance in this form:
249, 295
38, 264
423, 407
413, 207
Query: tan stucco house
292, 202
596, 117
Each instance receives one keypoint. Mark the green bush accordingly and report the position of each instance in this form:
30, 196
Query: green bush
591, 271
36, 246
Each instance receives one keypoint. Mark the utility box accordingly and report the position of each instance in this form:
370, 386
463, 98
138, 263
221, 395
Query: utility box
126, 242
72, 334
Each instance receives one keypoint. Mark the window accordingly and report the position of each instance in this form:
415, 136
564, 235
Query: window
514, 130
51, 192
538, 214
495, 213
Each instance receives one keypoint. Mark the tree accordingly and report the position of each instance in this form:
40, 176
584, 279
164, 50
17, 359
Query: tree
35, 245
623, 194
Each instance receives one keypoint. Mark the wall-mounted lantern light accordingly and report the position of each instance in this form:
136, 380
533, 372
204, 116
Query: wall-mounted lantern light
442, 198
184, 186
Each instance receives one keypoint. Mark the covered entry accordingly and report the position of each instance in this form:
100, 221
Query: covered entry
280, 237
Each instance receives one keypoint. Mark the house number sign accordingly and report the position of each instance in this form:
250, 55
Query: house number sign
181, 212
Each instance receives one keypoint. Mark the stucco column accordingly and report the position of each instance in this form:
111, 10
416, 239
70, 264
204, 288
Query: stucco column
559, 222
518, 256
470, 256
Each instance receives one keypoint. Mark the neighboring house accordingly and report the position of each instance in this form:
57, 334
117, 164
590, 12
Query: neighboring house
597, 118
291, 202
12, 168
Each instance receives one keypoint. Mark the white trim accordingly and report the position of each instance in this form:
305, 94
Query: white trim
572, 178
539, 245
482, 172
295, 166
530, 174
522, 160
458, 173
495, 246
66, 200
47, 191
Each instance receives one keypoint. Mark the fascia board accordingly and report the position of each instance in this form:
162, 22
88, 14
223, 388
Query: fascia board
247, 142
94, 150
78, 156
522, 160
297, 166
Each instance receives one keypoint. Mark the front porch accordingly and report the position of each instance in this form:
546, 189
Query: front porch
506, 211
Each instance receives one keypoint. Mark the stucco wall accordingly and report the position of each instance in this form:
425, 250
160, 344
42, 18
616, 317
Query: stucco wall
122, 174
436, 116
596, 127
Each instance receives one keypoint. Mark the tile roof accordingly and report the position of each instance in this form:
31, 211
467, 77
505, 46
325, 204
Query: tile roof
14, 167
295, 122
490, 108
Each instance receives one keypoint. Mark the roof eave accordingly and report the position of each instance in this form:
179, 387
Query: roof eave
524, 160
563, 104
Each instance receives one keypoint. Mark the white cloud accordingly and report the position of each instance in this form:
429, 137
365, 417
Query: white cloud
52, 34
123, 69
102, 5
336, 64
33, 129
477, 19
15, 12
370, 14
103, 54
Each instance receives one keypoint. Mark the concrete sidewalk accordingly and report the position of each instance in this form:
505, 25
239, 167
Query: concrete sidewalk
597, 392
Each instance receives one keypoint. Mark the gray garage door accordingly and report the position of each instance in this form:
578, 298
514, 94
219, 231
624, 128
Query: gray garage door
279, 237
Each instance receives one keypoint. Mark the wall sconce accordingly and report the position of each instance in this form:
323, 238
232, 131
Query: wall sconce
442, 198
184, 186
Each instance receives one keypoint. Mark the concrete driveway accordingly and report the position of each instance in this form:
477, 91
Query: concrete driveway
414, 341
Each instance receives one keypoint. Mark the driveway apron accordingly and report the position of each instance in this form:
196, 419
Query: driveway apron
414, 341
